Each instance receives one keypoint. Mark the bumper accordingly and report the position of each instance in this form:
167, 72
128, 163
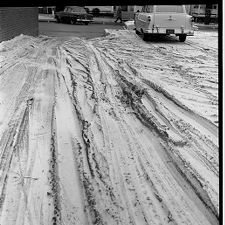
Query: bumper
170, 31
84, 20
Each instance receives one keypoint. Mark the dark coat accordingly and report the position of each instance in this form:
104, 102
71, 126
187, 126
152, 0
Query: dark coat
119, 12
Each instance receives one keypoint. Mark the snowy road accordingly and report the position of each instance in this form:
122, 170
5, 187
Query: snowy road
111, 130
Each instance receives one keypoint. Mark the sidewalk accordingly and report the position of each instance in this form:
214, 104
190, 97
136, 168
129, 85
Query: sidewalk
128, 24
104, 20
203, 26
46, 18
97, 20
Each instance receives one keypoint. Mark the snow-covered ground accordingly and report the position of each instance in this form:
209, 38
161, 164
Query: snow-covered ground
112, 130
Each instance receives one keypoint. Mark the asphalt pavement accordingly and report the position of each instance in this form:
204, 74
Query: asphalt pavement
77, 30
48, 26
97, 20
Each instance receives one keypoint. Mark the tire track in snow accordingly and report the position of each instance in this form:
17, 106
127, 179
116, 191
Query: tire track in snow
104, 67
13, 137
41, 162
208, 123
32, 161
102, 80
53, 171
161, 57
96, 162
121, 171
71, 189
167, 97
87, 176
23, 201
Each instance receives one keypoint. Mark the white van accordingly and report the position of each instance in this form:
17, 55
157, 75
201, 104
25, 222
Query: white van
164, 20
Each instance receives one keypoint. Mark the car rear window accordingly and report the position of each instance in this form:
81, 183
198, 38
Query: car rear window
76, 10
170, 8
79, 10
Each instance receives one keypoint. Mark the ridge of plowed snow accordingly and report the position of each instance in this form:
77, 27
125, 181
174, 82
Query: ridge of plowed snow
111, 130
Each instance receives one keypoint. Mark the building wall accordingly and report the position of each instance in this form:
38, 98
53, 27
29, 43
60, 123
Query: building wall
18, 20
101, 8
199, 10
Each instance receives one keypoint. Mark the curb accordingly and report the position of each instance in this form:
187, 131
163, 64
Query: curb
106, 31
207, 27
94, 22
108, 22
45, 20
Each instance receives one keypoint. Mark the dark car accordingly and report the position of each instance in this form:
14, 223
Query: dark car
73, 14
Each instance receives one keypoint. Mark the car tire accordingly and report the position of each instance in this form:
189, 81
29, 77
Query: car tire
86, 23
182, 37
145, 36
58, 20
96, 12
73, 21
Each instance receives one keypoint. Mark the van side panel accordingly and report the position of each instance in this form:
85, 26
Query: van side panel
165, 20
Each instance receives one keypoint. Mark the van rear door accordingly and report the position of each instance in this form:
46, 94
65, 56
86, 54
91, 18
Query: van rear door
169, 16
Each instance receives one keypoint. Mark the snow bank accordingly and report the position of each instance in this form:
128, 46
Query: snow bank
129, 25
112, 130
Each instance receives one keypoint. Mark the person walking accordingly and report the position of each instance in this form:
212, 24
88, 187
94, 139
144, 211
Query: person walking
207, 16
119, 14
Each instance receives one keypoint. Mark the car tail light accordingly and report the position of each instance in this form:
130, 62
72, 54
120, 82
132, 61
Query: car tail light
149, 18
182, 29
192, 19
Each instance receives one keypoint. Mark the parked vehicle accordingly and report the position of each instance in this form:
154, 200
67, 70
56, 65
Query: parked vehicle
73, 14
199, 12
164, 20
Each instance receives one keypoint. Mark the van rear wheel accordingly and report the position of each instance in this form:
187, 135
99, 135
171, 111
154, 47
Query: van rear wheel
182, 37
145, 36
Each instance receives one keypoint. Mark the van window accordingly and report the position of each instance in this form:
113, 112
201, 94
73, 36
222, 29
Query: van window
170, 8
148, 9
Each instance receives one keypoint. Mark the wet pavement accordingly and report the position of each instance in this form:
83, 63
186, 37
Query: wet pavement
78, 30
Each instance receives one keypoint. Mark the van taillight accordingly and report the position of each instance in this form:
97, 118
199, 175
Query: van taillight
149, 18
